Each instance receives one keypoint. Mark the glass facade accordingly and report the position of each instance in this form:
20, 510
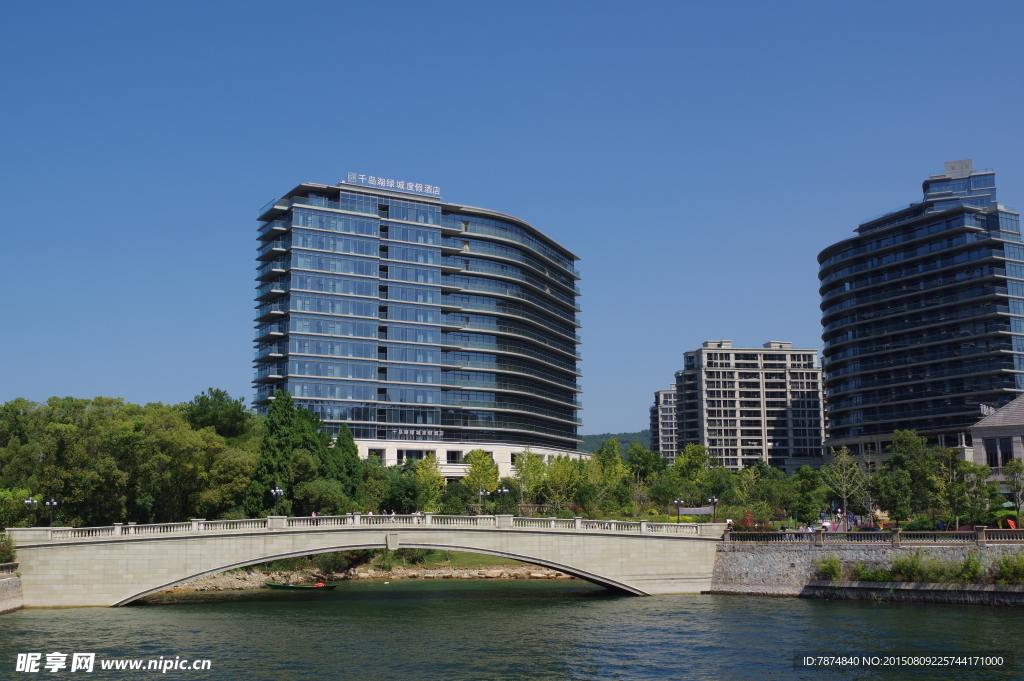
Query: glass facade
923, 315
412, 319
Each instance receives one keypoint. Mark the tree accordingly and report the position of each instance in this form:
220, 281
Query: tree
644, 464
324, 496
810, 494
431, 483
892, 488
961, 487
744, 484
909, 453
274, 464
1013, 472
218, 410
692, 461
482, 473
530, 471
844, 478
563, 475
345, 462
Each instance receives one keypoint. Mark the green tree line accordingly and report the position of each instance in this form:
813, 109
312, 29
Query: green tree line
106, 460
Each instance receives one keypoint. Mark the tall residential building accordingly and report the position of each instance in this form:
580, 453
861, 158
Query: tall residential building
425, 326
751, 404
919, 315
663, 423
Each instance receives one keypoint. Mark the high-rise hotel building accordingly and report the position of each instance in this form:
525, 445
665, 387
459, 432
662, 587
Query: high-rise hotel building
425, 326
923, 315
751, 404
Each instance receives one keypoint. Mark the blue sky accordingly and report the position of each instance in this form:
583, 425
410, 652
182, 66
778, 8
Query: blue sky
696, 156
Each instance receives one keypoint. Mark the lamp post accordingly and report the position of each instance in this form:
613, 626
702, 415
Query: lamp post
30, 505
714, 508
677, 502
52, 506
503, 491
483, 493
278, 493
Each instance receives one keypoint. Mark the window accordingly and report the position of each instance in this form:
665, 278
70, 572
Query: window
992, 452
1006, 449
454, 457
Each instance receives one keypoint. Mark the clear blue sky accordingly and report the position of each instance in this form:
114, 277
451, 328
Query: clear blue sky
696, 156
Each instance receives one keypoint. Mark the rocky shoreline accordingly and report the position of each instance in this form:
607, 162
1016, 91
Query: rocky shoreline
239, 580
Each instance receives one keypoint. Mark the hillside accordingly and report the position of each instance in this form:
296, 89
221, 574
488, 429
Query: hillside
592, 442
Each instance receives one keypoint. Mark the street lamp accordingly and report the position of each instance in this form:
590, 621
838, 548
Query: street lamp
30, 505
278, 493
714, 507
483, 493
503, 491
677, 502
52, 506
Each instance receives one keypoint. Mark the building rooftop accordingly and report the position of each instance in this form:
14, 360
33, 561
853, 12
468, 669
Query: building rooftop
1010, 415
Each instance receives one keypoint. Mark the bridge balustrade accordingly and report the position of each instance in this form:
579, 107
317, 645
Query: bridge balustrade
275, 523
979, 536
246, 524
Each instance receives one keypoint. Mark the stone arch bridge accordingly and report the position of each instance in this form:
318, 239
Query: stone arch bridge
107, 566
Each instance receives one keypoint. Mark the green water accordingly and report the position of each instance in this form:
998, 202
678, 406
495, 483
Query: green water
522, 630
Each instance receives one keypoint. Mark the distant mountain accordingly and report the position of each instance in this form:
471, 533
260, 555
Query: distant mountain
592, 442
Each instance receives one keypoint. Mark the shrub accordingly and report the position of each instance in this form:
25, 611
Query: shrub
386, 561
969, 569
828, 568
920, 525
917, 568
414, 556
1009, 569
861, 572
7, 552
335, 561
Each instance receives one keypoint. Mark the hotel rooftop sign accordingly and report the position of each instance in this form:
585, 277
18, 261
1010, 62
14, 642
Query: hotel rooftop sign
388, 183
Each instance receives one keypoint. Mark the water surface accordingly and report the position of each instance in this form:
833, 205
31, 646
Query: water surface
484, 629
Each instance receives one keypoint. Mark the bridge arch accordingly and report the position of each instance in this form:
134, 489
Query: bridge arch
605, 582
108, 566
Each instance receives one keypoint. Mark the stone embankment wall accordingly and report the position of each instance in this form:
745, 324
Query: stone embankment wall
236, 581
781, 569
10, 588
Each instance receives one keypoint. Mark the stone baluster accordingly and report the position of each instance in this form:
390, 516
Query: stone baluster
428, 518
725, 536
196, 524
819, 536
982, 538
643, 526
118, 529
896, 536
356, 517
577, 523
277, 522
552, 523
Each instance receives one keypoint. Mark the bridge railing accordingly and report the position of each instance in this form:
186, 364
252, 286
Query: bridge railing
222, 525
275, 523
979, 536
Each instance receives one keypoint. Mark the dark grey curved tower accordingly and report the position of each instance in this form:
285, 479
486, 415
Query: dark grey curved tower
923, 315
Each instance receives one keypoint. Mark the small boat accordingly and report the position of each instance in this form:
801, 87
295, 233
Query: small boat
319, 586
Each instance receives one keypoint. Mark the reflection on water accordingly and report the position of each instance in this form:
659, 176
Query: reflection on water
505, 630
